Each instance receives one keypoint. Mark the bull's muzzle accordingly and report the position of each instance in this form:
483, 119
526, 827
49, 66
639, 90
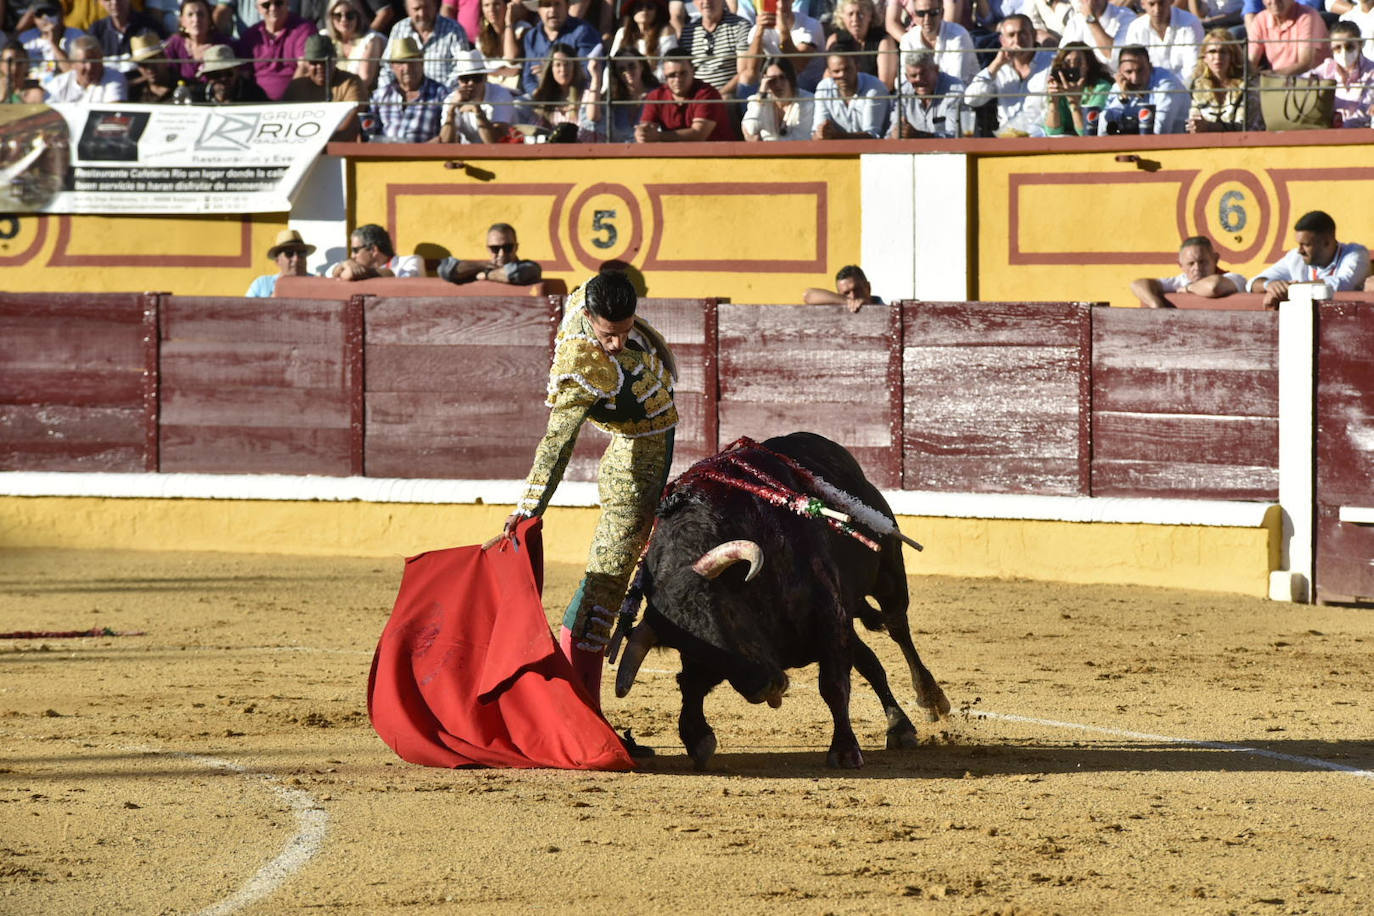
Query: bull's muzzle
642, 639
721, 557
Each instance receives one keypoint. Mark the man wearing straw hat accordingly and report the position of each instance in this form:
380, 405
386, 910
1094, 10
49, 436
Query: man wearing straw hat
408, 109
225, 79
290, 252
477, 111
155, 81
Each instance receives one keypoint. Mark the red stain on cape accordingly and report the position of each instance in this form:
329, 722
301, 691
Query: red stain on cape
467, 672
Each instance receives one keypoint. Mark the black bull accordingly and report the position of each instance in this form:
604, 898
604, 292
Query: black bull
795, 604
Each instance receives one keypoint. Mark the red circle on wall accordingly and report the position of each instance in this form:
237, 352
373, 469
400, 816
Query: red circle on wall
622, 232
1204, 199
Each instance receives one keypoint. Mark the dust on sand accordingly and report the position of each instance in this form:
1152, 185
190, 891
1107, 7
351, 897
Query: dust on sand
224, 760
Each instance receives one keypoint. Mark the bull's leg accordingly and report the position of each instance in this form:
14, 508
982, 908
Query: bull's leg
834, 683
893, 600
900, 732
697, 736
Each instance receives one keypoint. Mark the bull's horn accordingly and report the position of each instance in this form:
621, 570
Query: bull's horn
718, 559
642, 639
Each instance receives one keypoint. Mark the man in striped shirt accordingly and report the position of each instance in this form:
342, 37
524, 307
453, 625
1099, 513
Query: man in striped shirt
716, 41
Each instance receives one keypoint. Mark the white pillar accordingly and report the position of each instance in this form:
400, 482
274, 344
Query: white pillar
914, 240
1292, 581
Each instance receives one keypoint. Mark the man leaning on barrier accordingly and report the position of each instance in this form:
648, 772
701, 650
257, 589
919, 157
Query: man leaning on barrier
1201, 276
1343, 265
502, 266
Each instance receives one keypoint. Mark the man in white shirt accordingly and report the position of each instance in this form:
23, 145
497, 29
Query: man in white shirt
849, 105
49, 42
371, 254
794, 35
1318, 257
88, 80
1171, 35
479, 110
1015, 79
951, 42
1201, 276
1097, 24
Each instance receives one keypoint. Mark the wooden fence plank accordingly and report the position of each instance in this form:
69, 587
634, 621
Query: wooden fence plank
514, 321
989, 324
518, 371
1184, 480
255, 450
253, 363
321, 408
282, 321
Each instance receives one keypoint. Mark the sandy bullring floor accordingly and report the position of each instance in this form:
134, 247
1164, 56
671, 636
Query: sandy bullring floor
223, 762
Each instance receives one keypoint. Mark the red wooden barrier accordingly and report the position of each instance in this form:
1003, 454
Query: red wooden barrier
996, 396
330, 288
78, 377
258, 386
810, 367
455, 387
1185, 404
1345, 450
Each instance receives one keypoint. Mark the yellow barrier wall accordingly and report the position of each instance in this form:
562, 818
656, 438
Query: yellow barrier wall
1176, 556
1082, 225
753, 230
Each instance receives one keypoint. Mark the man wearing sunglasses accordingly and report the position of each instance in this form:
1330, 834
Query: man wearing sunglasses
504, 265
275, 45
371, 254
949, 41
477, 111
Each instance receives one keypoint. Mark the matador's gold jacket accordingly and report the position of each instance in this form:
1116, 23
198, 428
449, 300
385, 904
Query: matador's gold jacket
629, 394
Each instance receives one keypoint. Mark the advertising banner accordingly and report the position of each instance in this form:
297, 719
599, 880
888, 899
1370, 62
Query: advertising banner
124, 158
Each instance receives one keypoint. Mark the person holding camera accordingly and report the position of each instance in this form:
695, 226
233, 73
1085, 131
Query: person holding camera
1145, 99
1078, 85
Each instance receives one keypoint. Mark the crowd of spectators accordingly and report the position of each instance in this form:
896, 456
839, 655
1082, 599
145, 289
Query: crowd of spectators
487, 71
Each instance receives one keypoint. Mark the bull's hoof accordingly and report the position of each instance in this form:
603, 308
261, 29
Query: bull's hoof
902, 737
850, 758
702, 751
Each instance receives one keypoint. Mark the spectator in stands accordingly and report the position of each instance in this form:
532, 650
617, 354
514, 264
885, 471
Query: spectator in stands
1354, 76
645, 30
858, 19
1170, 34
408, 109
290, 252
630, 79
786, 34
156, 81
88, 80
1218, 14
1144, 100
275, 46
227, 80
780, 110
478, 111
1015, 79
498, 18
951, 42
1098, 24
371, 252
1221, 100
561, 104
849, 105
1049, 18
357, 48
1289, 35
685, 108
49, 42
555, 27
187, 47
1201, 276
1078, 85
502, 266
851, 290
324, 82
717, 43
439, 38
115, 31
1318, 256
929, 102
15, 83
1360, 12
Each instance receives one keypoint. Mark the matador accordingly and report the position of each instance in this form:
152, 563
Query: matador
615, 370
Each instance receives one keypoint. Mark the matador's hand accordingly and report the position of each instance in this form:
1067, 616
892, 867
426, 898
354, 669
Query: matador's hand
508, 532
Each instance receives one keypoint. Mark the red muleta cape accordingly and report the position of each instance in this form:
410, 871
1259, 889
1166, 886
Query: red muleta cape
467, 673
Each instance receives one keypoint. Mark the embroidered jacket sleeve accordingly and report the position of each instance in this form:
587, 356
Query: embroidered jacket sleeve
571, 404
